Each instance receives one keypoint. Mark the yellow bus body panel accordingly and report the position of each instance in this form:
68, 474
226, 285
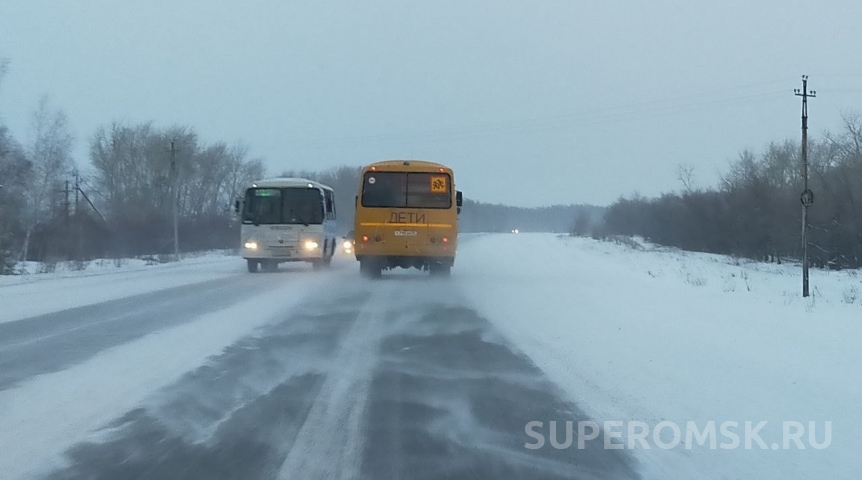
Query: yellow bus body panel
406, 232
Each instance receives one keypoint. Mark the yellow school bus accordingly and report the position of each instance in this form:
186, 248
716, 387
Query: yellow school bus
406, 216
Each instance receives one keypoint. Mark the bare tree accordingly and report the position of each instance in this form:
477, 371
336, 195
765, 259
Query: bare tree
133, 172
49, 152
4, 69
754, 212
14, 174
685, 174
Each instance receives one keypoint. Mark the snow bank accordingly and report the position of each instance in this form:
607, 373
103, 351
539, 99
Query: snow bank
27, 272
655, 334
23, 296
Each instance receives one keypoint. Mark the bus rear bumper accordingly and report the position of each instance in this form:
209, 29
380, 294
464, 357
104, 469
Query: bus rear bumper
403, 261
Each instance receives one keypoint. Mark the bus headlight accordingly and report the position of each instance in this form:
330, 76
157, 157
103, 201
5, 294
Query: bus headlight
348, 245
310, 245
251, 245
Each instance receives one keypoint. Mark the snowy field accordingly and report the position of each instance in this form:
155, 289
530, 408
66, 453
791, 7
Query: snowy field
650, 334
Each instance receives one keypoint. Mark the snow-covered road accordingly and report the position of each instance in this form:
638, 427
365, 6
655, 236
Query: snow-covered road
201, 370
297, 374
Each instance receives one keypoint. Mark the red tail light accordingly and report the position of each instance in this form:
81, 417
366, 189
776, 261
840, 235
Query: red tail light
445, 239
365, 238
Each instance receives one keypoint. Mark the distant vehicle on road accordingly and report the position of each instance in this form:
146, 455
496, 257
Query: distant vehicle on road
348, 243
287, 220
406, 216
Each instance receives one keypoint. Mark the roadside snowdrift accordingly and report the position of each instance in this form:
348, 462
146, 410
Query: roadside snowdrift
655, 334
33, 294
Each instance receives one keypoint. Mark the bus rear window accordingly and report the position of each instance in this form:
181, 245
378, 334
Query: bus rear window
411, 190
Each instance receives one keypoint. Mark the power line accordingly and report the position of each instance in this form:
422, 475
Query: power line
93, 189
93, 206
833, 75
840, 90
618, 109
585, 118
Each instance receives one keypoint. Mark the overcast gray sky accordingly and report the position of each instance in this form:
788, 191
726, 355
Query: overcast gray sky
532, 103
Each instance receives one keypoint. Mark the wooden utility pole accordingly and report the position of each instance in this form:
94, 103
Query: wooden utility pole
79, 227
68, 205
175, 195
807, 197
77, 190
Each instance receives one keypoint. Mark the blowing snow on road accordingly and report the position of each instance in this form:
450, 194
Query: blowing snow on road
206, 371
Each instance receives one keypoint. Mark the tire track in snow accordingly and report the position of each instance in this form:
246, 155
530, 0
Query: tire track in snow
329, 444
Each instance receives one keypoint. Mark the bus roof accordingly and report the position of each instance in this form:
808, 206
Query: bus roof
414, 165
289, 182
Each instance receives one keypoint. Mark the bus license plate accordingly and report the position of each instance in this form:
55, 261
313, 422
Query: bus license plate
406, 233
280, 251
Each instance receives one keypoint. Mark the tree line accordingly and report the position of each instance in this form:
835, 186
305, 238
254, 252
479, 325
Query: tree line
121, 204
755, 211
475, 216
493, 217
139, 179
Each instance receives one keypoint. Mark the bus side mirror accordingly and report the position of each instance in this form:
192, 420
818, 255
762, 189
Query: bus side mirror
459, 200
236, 206
355, 201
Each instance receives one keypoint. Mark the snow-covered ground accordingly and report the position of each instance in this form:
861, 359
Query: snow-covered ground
48, 413
33, 293
640, 334
26, 272
655, 334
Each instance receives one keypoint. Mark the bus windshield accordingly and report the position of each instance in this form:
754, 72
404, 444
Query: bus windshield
292, 206
411, 190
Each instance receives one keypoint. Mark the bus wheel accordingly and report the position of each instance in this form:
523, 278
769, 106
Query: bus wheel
320, 263
252, 265
440, 269
369, 269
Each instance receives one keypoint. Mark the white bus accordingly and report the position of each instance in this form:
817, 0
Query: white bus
287, 220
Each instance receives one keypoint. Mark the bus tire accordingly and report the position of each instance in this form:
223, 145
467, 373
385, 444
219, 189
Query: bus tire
441, 269
252, 265
369, 269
